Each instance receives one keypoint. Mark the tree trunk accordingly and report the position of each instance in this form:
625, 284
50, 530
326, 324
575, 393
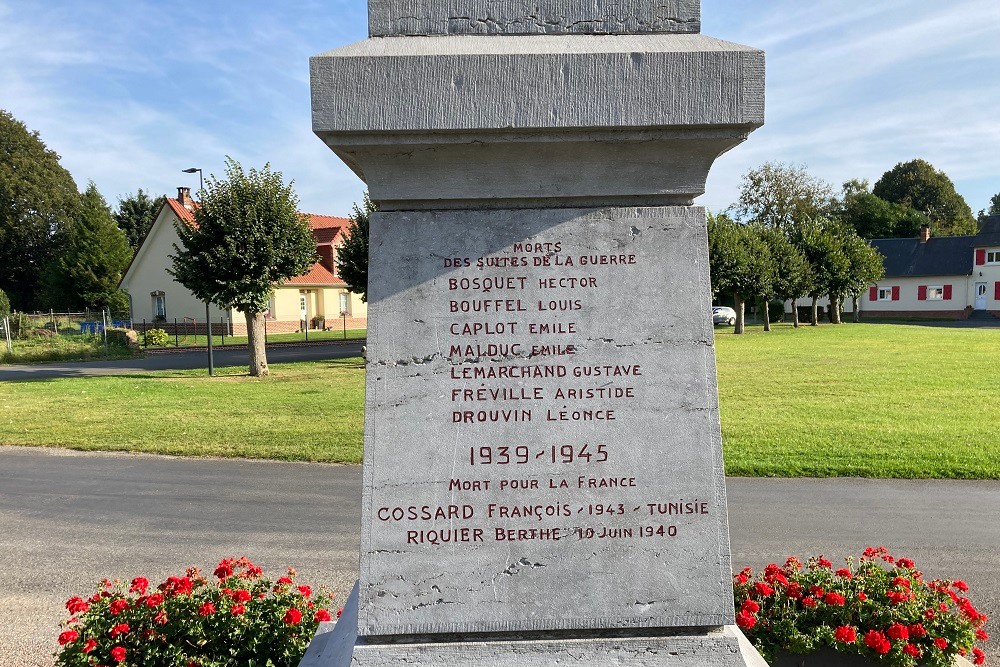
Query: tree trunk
255, 344
740, 319
856, 314
815, 313
767, 316
795, 313
835, 309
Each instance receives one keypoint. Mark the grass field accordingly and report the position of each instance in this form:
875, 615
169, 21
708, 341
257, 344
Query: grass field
873, 400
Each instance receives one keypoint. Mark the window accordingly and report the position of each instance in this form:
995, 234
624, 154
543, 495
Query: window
885, 294
345, 304
159, 305
993, 256
935, 292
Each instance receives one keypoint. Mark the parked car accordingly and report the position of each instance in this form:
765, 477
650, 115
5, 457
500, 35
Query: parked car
723, 315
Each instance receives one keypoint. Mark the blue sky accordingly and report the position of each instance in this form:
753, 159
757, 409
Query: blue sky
131, 92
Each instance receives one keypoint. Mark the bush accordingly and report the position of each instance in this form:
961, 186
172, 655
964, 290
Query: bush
239, 619
126, 338
4, 304
882, 610
157, 337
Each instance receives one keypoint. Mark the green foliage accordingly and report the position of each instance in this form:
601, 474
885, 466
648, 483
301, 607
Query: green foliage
240, 618
874, 218
882, 610
94, 256
248, 236
352, 256
781, 196
918, 185
820, 241
4, 304
792, 272
155, 338
992, 209
136, 214
38, 201
123, 338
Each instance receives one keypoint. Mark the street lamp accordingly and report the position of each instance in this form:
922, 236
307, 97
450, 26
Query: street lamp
208, 316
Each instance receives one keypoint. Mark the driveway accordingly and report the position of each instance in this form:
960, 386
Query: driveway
182, 360
68, 519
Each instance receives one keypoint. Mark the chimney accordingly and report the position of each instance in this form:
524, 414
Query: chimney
925, 233
184, 198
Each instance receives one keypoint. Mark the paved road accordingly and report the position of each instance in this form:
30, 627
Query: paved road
68, 519
162, 361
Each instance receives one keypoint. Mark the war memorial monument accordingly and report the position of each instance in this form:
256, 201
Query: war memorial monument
543, 475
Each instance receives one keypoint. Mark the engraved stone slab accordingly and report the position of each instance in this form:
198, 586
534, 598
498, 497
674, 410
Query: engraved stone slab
542, 445
524, 17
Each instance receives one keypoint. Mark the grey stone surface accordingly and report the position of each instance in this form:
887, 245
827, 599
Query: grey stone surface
521, 17
445, 429
567, 82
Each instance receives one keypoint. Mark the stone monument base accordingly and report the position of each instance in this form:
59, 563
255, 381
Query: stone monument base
338, 645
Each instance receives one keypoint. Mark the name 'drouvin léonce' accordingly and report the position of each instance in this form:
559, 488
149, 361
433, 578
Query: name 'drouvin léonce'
502, 373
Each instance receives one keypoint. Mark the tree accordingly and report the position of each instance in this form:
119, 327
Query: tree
918, 185
352, 255
740, 263
136, 214
781, 196
247, 236
4, 304
819, 241
90, 265
875, 218
792, 273
994, 208
38, 200
865, 266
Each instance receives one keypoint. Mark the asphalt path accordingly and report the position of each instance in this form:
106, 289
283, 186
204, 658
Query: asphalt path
182, 360
68, 519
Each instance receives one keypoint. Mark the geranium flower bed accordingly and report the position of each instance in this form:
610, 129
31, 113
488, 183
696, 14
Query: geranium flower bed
880, 608
239, 617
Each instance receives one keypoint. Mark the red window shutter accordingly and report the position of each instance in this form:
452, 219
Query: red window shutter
947, 292
996, 291
895, 292
921, 293
980, 256
873, 293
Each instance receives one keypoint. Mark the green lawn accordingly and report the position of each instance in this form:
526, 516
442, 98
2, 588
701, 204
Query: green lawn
872, 400
875, 400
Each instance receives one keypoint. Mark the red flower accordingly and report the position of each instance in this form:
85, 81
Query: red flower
897, 597
901, 581
238, 610
793, 563
960, 585
898, 631
89, 646
917, 631
118, 606
750, 606
284, 580
139, 585
340, 611
912, 650
817, 591
119, 629
763, 589
794, 591
822, 562
744, 576
981, 634
293, 616
225, 569
154, 600
846, 634
161, 617
241, 595
941, 643
862, 596
68, 636
978, 657
321, 616
745, 620
877, 642
206, 609
844, 572
305, 591
834, 599
177, 586
76, 605
118, 654
809, 601
905, 562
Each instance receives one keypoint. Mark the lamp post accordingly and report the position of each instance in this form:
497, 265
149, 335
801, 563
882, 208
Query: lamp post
208, 317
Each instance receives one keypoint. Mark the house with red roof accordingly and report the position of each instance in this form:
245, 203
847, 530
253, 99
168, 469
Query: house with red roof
317, 299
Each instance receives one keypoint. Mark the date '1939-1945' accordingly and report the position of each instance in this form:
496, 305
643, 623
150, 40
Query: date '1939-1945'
522, 454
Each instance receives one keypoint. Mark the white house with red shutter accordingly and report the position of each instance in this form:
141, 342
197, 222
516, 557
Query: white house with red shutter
948, 277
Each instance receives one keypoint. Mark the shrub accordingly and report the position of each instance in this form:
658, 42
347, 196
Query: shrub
157, 337
4, 304
126, 338
239, 619
882, 609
